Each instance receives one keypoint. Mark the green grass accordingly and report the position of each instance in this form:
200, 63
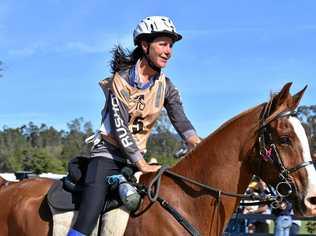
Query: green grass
303, 228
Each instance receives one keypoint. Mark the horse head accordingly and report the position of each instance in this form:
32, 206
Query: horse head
284, 158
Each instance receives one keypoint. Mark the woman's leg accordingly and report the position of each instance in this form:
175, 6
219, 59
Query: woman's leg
94, 193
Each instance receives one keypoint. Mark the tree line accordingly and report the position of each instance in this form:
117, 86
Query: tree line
42, 148
307, 114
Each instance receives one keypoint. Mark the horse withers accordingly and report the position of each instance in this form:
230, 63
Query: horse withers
267, 140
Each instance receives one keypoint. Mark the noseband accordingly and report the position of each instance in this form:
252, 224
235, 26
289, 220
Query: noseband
269, 152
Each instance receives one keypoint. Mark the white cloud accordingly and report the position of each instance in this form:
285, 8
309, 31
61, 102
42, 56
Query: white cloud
22, 51
29, 50
81, 47
103, 44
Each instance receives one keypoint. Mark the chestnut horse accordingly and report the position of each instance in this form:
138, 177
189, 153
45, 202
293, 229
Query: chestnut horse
267, 140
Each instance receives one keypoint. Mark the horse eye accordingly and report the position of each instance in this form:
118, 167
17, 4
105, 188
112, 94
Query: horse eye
285, 140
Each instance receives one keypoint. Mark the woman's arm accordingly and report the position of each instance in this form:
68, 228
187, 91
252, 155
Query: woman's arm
177, 116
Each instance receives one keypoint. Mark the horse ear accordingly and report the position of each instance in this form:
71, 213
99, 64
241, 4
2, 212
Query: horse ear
297, 98
279, 102
283, 94
283, 103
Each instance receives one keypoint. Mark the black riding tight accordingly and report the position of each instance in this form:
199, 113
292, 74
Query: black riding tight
95, 192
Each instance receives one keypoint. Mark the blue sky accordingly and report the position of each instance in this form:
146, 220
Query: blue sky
233, 53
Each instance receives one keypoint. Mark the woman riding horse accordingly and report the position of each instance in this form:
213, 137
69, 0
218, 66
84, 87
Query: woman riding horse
135, 95
267, 140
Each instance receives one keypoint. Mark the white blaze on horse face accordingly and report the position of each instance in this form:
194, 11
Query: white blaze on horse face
311, 172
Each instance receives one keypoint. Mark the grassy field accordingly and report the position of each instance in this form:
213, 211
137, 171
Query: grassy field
303, 228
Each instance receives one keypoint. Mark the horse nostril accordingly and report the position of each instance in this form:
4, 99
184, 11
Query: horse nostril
312, 200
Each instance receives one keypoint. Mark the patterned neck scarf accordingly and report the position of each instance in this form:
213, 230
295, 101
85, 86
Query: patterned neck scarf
134, 79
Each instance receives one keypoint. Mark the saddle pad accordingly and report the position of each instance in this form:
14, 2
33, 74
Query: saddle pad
60, 199
113, 223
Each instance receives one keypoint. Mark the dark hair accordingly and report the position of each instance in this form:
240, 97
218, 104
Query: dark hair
149, 38
123, 59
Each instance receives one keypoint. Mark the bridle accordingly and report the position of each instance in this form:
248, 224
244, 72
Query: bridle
268, 151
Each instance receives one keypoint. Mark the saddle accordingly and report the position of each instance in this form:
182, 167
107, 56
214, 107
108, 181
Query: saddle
65, 194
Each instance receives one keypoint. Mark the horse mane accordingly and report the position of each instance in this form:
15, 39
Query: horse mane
233, 119
221, 128
240, 115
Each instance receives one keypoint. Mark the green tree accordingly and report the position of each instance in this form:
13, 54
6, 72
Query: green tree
311, 227
74, 140
42, 148
32, 133
36, 160
45, 149
307, 115
12, 142
42, 161
49, 137
163, 142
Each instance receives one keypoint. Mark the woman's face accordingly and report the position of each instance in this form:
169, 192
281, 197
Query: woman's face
160, 50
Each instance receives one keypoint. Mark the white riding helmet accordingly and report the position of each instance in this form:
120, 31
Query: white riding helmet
153, 26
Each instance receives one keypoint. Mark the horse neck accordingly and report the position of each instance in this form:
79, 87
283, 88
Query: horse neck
221, 155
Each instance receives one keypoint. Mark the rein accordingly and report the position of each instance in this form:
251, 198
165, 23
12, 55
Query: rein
155, 184
152, 193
